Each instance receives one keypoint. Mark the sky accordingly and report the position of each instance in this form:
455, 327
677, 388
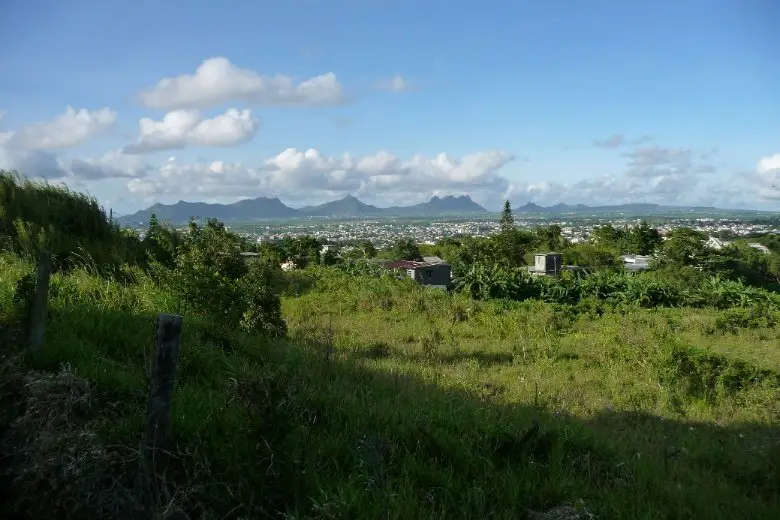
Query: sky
394, 101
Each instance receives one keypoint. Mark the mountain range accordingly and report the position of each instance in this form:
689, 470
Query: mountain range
263, 208
273, 208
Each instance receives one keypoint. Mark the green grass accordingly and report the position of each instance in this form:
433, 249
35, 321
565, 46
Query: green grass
388, 401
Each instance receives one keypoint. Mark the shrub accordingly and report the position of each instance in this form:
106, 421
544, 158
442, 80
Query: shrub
211, 279
753, 317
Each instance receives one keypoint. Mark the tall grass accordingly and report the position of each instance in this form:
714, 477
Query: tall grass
391, 401
37, 215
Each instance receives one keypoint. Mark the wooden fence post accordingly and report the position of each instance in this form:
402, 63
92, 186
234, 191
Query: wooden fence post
40, 305
169, 327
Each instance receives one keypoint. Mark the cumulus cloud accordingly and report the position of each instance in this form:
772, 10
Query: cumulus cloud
64, 131
603, 190
182, 128
395, 84
218, 81
665, 175
309, 174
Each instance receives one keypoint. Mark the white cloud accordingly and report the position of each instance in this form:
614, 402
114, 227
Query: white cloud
114, 164
64, 131
396, 84
182, 128
768, 171
218, 81
309, 175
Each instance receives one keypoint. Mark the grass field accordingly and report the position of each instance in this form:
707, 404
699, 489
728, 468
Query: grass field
390, 401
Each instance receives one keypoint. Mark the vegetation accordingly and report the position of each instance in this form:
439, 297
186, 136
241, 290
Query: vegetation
342, 392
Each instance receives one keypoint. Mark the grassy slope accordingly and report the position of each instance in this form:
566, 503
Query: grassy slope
379, 406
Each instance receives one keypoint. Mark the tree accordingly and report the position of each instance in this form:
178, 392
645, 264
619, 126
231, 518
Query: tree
685, 247
510, 244
643, 240
161, 242
406, 249
507, 223
550, 238
591, 255
369, 251
303, 250
609, 236
211, 279
329, 258
271, 254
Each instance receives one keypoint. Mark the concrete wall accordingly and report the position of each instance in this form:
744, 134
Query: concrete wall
550, 263
438, 274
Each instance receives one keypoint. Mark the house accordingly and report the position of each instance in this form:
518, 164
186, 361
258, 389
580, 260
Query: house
636, 263
432, 260
716, 243
249, 256
329, 248
424, 273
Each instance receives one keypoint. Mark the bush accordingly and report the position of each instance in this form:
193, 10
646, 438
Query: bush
211, 279
753, 317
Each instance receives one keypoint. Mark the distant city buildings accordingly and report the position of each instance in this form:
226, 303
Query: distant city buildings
383, 232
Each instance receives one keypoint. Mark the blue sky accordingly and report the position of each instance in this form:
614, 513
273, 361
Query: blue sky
597, 102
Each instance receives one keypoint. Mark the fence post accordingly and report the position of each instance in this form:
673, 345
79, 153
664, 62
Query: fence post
40, 305
169, 327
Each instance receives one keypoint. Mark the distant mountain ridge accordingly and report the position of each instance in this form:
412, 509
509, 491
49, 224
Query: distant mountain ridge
272, 208
264, 208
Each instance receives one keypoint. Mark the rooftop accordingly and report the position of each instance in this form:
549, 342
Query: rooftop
409, 264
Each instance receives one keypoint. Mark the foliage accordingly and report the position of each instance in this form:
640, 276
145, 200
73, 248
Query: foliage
684, 247
406, 249
303, 251
639, 240
161, 242
645, 290
211, 279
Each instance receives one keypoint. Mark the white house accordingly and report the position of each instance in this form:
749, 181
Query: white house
716, 243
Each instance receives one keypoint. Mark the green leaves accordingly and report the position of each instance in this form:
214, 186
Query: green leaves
646, 290
211, 279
